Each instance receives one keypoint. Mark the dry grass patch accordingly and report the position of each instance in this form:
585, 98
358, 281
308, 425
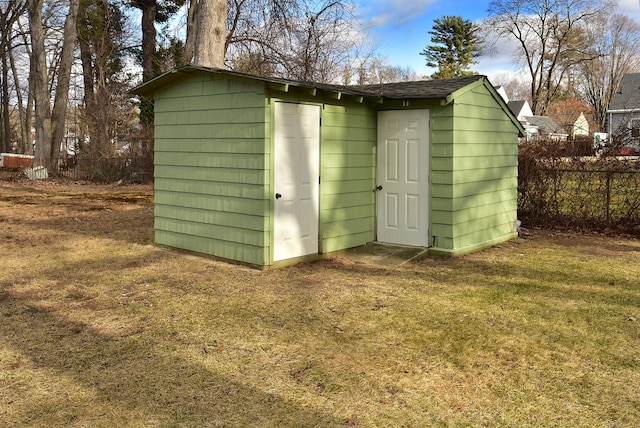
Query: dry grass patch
101, 328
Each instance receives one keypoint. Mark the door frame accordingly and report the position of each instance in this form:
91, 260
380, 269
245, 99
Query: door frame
274, 165
424, 180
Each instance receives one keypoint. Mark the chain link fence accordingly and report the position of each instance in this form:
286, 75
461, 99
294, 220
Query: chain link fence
578, 192
99, 170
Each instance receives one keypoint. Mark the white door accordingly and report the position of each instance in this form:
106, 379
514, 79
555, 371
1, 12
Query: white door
297, 171
403, 171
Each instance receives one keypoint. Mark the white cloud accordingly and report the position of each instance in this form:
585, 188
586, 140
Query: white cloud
381, 13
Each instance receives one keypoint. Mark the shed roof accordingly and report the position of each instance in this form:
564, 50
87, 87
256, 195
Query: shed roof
422, 89
445, 90
628, 95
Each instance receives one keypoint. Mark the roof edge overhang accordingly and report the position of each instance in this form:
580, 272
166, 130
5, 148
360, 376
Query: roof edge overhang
337, 92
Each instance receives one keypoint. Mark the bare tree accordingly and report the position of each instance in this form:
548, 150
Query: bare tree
10, 12
49, 124
39, 83
59, 113
298, 39
548, 39
101, 33
376, 70
616, 39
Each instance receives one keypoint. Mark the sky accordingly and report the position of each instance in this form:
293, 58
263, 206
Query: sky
399, 28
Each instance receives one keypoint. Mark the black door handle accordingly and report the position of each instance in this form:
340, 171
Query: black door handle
379, 187
278, 195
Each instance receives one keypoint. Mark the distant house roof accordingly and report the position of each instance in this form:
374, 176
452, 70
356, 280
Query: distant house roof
520, 109
545, 124
516, 106
628, 95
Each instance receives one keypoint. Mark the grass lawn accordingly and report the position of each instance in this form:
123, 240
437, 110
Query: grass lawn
100, 328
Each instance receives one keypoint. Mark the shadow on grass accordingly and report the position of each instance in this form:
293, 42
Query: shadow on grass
133, 376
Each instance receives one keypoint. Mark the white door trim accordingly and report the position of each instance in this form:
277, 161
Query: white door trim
296, 180
403, 174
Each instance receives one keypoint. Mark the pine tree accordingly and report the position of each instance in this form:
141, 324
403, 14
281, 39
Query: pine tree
456, 42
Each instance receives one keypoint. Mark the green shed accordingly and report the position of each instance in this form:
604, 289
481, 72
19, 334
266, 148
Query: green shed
267, 171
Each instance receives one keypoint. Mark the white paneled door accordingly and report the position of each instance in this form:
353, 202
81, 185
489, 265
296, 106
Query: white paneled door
297, 171
403, 177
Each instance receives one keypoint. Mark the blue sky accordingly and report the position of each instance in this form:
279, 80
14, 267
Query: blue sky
400, 29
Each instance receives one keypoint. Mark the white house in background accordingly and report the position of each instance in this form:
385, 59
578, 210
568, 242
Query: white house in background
500, 90
536, 126
580, 126
623, 115
520, 109
543, 127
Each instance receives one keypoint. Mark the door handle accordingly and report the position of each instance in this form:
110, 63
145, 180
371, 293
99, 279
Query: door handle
278, 195
379, 188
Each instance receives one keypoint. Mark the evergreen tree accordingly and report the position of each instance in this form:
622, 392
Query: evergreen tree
456, 42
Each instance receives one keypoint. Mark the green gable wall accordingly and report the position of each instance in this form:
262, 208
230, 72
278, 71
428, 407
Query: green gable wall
211, 175
474, 174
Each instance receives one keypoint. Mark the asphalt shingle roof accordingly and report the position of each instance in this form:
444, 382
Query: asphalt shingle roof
628, 95
546, 124
421, 89
516, 106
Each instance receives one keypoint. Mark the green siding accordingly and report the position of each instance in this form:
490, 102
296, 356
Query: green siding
474, 171
214, 168
210, 173
347, 171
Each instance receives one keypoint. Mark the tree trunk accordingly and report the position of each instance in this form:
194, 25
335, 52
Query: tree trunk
5, 144
59, 114
149, 11
39, 82
206, 33
24, 117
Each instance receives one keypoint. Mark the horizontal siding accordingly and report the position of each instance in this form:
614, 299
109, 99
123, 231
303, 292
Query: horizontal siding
205, 187
212, 231
252, 161
177, 132
348, 147
209, 117
216, 203
198, 174
482, 172
206, 245
349, 240
473, 178
210, 168
210, 145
